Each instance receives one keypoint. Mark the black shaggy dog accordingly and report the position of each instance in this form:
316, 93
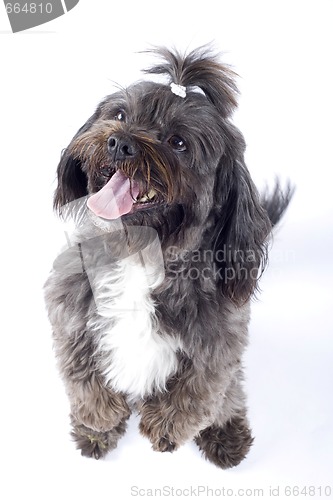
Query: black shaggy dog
150, 303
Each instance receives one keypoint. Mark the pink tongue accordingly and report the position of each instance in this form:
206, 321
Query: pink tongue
115, 198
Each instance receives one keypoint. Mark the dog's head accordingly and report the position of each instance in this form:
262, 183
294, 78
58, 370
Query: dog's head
166, 155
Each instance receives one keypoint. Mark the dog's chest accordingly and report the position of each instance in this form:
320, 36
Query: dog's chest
134, 357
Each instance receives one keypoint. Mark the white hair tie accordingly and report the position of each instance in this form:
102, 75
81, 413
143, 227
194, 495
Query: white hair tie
178, 90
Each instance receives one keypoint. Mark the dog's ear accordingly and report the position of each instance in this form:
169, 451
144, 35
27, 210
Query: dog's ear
72, 181
241, 229
200, 68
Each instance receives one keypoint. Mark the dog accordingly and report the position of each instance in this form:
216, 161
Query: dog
150, 301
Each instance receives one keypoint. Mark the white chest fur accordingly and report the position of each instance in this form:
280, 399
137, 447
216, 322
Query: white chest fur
135, 358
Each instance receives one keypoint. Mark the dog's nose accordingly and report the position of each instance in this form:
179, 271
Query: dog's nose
121, 148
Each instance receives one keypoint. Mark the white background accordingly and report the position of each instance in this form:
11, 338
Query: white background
51, 80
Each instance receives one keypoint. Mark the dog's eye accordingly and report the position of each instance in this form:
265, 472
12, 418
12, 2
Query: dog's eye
120, 116
177, 143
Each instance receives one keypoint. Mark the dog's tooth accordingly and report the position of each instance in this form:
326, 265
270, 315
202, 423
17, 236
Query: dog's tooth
143, 199
147, 197
151, 193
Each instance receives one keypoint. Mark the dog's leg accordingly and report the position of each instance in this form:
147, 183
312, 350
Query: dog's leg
228, 439
212, 412
98, 416
171, 418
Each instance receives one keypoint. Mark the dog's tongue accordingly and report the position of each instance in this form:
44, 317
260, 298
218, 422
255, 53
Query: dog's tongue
116, 198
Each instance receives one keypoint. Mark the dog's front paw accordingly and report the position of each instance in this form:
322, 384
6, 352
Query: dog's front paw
93, 444
165, 444
96, 444
158, 436
159, 429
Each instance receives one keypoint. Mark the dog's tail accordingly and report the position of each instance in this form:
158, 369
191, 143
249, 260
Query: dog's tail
276, 203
